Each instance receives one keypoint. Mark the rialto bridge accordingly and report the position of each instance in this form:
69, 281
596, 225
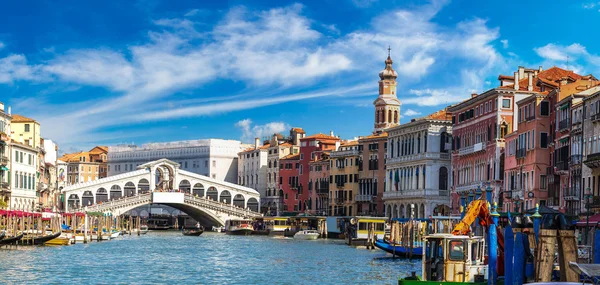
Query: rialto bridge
207, 200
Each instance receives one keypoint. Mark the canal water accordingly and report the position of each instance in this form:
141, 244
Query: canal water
213, 258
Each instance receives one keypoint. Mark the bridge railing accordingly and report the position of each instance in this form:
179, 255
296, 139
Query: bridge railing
141, 198
222, 207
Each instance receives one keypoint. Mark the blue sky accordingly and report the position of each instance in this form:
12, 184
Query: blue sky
109, 72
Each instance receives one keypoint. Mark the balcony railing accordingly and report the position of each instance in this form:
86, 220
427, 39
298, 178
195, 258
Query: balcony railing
575, 159
419, 156
530, 117
564, 124
344, 153
595, 117
364, 198
562, 166
593, 160
572, 194
472, 149
595, 203
508, 194
415, 193
4, 186
3, 159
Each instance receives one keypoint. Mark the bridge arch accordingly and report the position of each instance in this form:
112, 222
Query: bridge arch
129, 189
101, 195
225, 197
253, 204
239, 201
212, 193
198, 190
115, 192
73, 201
87, 198
143, 186
185, 186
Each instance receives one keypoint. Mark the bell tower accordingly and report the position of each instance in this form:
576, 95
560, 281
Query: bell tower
387, 105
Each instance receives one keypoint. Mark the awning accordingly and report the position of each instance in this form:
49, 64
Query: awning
565, 106
3, 168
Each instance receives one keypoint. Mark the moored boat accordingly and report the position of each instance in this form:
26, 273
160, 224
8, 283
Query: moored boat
11, 240
115, 235
398, 250
306, 235
218, 229
238, 227
37, 240
58, 241
143, 229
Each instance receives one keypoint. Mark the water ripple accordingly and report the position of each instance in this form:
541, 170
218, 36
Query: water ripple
171, 258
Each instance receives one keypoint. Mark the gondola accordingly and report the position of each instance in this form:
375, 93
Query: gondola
398, 250
11, 240
193, 232
2, 235
38, 240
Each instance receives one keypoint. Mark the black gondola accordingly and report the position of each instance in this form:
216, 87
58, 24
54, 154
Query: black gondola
11, 240
2, 235
193, 232
38, 240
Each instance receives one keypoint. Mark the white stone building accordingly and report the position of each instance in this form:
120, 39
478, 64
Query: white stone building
252, 167
214, 158
23, 173
418, 167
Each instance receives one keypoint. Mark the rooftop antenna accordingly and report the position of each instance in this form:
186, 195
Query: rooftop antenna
389, 50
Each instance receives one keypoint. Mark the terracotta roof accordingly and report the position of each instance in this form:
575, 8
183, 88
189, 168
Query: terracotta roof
373, 136
552, 74
500, 77
321, 136
299, 130
74, 157
286, 144
440, 115
349, 143
265, 146
21, 119
291, 157
99, 149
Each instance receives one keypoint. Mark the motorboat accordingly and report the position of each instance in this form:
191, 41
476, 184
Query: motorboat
238, 227
399, 250
115, 235
143, 229
307, 235
58, 241
218, 229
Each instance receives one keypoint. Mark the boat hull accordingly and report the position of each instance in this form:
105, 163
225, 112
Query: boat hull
115, 235
58, 241
11, 240
193, 233
239, 232
399, 250
422, 282
306, 237
38, 240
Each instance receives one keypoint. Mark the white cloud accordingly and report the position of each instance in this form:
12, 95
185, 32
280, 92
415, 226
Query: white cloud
15, 67
504, 43
363, 3
590, 5
410, 112
249, 132
575, 57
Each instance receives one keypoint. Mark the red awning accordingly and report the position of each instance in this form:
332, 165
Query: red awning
593, 221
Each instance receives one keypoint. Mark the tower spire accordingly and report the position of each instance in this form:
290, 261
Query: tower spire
389, 51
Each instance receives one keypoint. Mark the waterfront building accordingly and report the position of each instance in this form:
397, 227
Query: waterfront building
310, 148
23, 171
344, 166
48, 191
418, 167
5, 153
252, 167
590, 148
25, 131
371, 174
527, 155
86, 166
479, 127
214, 158
289, 181
318, 184
280, 147
565, 186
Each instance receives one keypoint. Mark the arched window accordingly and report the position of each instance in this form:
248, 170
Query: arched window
443, 179
392, 150
377, 116
396, 117
443, 138
389, 116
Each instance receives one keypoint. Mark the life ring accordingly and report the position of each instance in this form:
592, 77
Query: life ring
353, 221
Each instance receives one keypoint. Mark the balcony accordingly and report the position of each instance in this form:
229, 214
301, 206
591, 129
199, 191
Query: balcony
517, 194
364, 198
419, 156
561, 166
4, 187
530, 118
415, 193
593, 160
595, 117
564, 124
572, 194
575, 159
595, 203
521, 153
469, 186
338, 201
508, 194
3, 159
344, 153
472, 149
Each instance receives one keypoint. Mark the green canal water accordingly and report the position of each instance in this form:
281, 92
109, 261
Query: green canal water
213, 258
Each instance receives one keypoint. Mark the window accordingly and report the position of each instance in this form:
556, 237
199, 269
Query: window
456, 250
27, 128
214, 163
543, 182
545, 108
544, 140
506, 103
301, 156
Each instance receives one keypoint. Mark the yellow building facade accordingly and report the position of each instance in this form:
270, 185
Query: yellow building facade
343, 182
25, 130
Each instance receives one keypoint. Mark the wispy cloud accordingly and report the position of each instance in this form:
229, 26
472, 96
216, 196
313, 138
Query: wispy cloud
410, 112
250, 131
575, 57
504, 43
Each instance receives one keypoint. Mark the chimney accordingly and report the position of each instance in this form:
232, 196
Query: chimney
516, 81
256, 143
540, 69
331, 133
521, 72
563, 81
473, 95
530, 82
9, 113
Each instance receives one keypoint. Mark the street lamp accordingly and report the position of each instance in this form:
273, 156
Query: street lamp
588, 197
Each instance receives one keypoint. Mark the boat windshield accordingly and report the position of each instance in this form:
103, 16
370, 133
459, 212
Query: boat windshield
456, 250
